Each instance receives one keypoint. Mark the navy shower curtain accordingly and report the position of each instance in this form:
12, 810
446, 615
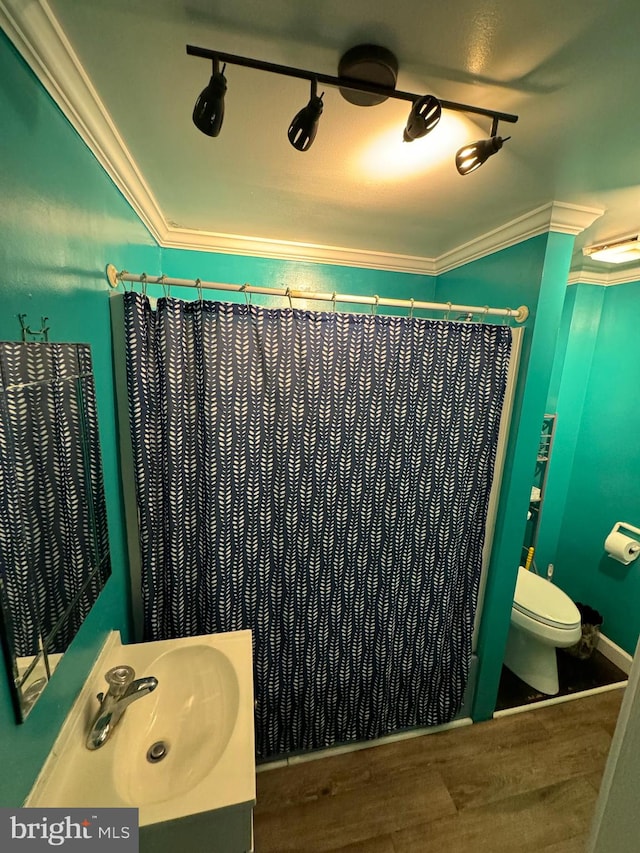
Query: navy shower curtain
323, 479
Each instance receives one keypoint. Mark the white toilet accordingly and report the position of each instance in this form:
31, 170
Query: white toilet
543, 618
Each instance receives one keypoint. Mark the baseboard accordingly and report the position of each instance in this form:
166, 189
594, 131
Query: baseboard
605, 646
615, 654
332, 751
558, 700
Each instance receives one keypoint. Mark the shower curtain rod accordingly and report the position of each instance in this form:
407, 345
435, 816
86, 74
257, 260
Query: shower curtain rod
114, 277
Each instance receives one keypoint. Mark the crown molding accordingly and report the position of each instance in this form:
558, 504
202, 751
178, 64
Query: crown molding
237, 244
35, 32
556, 216
608, 278
39, 38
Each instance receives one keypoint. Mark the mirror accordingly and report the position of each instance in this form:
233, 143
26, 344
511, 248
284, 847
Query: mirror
536, 499
54, 549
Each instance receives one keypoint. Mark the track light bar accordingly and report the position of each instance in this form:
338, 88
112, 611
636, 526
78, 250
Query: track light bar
339, 82
425, 111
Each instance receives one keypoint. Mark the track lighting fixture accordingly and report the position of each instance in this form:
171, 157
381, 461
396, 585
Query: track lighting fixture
302, 130
471, 157
367, 76
209, 109
424, 116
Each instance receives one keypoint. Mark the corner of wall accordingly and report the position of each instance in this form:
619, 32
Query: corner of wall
572, 367
535, 376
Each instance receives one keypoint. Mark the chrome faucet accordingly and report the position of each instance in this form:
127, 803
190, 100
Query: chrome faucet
123, 690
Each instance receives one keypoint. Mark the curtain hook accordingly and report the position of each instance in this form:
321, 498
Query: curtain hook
507, 317
333, 300
446, 316
161, 280
143, 281
411, 308
484, 315
199, 289
288, 295
375, 305
243, 289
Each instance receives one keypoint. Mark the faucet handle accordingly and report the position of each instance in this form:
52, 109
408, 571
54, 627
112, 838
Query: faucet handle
119, 678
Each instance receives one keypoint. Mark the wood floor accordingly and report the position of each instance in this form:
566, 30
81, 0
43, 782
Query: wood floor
526, 782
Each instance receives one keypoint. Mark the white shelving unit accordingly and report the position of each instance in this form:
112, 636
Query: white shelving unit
545, 448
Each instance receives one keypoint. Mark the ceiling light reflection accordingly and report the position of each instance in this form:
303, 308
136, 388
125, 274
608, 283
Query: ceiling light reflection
387, 157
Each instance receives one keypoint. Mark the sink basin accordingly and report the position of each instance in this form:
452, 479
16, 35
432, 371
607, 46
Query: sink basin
198, 723
192, 716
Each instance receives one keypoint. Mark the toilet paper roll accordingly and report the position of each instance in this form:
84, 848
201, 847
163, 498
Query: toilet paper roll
622, 548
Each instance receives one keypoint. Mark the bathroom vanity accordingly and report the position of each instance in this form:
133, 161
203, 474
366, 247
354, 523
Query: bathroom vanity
183, 755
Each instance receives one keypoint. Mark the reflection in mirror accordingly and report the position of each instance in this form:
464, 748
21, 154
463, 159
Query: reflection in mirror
538, 488
54, 551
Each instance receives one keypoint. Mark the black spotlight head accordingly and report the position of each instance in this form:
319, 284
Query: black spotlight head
424, 116
302, 130
209, 109
472, 156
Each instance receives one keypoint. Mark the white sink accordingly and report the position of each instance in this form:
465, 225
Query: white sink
201, 711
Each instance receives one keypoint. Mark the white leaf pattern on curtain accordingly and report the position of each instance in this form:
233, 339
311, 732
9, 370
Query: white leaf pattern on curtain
322, 479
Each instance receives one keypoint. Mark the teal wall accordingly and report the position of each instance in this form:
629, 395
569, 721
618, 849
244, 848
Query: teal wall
298, 275
599, 484
570, 382
61, 220
533, 273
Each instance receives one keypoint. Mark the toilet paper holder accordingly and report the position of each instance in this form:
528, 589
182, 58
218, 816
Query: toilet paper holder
625, 549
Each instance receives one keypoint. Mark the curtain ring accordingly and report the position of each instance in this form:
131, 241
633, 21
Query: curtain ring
446, 316
161, 280
333, 300
505, 320
411, 308
288, 295
484, 315
143, 281
199, 288
374, 307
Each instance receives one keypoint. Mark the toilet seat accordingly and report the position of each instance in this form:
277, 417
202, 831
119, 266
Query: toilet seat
540, 600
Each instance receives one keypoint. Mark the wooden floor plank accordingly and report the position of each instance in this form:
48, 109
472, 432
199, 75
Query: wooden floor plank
454, 745
493, 773
603, 709
382, 844
577, 844
524, 783
595, 778
352, 816
523, 823
311, 781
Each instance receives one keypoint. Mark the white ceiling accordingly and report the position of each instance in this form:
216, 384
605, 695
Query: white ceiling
568, 68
